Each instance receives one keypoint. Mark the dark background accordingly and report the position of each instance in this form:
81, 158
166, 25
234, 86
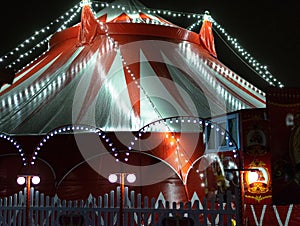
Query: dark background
268, 30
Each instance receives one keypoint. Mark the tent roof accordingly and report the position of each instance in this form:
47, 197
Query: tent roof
121, 73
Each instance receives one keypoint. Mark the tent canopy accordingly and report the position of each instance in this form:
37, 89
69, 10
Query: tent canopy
120, 70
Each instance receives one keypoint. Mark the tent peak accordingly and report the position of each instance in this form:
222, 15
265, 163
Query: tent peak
85, 2
206, 35
89, 27
207, 16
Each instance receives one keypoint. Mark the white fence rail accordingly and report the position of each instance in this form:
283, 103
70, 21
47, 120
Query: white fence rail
106, 211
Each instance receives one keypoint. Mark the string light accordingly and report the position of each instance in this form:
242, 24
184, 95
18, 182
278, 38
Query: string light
16, 145
178, 154
258, 68
19, 50
67, 130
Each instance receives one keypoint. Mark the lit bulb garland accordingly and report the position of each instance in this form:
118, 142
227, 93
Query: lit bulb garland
71, 14
201, 125
209, 79
259, 69
27, 54
16, 145
128, 9
67, 130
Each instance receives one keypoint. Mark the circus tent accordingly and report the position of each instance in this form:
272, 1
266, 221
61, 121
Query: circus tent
134, 88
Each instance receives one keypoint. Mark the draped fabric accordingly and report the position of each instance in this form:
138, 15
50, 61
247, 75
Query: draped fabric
207, 38
89, 27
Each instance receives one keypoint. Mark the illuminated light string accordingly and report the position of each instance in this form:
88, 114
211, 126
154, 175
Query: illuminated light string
170, 135
43, 42
243, 55
26, 54
103, 136
227, 73
16, 145
70, 129
71, 14
127, 8
40, 89
261, 70
198, 62
174, 141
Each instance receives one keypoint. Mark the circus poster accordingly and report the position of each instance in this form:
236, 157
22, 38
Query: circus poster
255, 139
283, 107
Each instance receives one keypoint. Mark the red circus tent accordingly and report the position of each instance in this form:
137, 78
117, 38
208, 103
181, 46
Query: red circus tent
123, 90
117, 73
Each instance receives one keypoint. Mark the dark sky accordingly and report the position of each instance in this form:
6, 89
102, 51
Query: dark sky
268, 30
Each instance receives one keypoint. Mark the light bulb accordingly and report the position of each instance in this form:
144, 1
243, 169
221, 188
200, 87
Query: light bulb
131, 178
36, 180
252, 177
21, 180
112, 178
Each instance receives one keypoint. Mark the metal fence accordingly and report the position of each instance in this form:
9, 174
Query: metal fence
108, 210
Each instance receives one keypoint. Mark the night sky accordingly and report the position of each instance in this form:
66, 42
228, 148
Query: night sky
268, 30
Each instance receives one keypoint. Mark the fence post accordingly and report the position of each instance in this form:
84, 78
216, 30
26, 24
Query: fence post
239, 207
